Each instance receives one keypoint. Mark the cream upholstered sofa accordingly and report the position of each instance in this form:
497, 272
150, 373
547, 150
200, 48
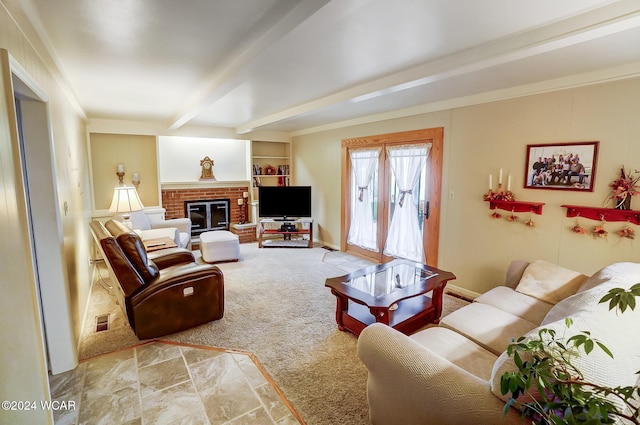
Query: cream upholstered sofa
450, 374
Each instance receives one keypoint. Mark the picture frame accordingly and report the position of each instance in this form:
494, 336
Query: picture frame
561, 166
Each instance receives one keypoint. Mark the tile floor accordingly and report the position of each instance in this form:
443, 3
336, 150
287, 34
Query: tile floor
166, 383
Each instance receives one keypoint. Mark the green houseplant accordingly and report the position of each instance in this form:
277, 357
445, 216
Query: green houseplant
554, 389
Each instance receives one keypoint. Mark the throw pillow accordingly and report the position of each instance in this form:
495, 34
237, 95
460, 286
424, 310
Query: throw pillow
620, 273
549, 282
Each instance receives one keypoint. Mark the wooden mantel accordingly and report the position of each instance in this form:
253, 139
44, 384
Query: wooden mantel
198, 184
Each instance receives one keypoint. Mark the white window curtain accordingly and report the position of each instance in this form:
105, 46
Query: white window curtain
363, 232
404, 239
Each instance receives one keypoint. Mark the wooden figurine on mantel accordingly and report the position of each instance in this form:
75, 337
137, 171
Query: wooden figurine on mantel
207, 169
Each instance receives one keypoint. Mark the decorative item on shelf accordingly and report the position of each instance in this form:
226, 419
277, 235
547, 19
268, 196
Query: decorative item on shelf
135, 180
270, 170
245, 207
500, 195
241, 209
506, 200
283, 170
120, 173
623, 188
207, 169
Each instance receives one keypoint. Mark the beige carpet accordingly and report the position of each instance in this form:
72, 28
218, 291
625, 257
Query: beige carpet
276, 306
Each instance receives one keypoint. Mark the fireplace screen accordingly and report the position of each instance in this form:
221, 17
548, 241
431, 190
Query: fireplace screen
207, 215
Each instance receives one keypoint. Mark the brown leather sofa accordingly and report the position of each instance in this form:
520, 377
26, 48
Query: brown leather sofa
161, 292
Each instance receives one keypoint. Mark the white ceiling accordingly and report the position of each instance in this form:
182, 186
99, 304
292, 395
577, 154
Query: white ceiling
303, 65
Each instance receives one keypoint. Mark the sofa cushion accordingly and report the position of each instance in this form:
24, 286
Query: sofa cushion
134, 250
516, 303
487, 326
140, 220
618, 272
549, 282
614, 329
619, 275
458, 349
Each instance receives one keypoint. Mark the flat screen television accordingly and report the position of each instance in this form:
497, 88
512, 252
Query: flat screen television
284, 202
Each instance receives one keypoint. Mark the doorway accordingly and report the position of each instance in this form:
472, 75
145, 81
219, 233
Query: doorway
37, 163
383, 177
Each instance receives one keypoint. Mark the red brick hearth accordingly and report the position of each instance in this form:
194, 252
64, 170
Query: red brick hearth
173, 202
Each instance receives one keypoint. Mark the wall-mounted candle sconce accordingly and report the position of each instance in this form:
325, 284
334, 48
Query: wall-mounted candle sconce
120, 173
136, 180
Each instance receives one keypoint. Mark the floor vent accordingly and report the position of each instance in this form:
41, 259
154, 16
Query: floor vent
328, 248
102, 323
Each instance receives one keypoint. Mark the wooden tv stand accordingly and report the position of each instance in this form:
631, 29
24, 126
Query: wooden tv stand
269, 226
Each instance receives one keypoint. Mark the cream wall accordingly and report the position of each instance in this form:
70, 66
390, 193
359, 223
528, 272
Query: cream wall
480, 140
23, 373
137, 153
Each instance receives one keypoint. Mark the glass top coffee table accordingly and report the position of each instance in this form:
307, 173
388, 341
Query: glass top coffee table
402, 294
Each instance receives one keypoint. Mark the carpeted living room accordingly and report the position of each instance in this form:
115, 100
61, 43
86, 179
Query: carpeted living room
508, 152
278, 314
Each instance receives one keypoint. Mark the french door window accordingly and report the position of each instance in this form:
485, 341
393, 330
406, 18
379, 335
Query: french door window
391, 195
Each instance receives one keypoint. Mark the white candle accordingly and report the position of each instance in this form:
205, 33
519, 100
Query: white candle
509, 182
120, 168
500, 177
240, 201
136, 176
245, 194
490, 181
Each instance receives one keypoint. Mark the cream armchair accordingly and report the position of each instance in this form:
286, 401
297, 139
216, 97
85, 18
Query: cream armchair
178, 229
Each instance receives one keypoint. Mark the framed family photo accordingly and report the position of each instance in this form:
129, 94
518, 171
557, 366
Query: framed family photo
561, 166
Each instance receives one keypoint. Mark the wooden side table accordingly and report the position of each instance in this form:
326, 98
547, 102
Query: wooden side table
158, 244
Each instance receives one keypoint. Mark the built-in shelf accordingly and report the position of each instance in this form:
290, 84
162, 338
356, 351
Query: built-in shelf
266, 154
516, 206
603, 214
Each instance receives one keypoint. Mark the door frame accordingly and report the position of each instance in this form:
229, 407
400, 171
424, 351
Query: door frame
32, 140
431, 226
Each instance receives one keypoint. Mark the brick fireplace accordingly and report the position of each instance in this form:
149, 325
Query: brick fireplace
174, 197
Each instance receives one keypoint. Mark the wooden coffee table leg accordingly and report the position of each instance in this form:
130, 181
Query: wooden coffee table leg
381, 314
342, 306
437, 303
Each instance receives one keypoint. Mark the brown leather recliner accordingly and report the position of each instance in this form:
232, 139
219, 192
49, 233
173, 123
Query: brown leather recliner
162, 292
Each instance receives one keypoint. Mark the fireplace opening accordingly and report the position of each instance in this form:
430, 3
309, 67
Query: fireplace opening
207, 215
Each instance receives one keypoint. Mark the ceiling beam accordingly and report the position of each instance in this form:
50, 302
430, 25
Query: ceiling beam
589, 26
232, 73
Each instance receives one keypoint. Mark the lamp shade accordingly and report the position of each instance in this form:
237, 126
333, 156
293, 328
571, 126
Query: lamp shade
125, 200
